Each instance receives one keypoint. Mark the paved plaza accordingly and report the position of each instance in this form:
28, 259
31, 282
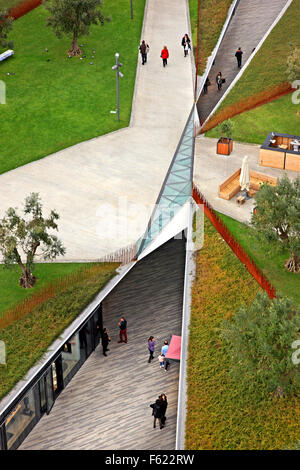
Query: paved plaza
211, 169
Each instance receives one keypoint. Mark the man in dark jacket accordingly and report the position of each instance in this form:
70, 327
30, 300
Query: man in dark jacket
105, 341
238, 56
144, 48
157, 413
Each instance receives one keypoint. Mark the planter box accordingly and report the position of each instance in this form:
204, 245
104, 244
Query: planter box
224, 146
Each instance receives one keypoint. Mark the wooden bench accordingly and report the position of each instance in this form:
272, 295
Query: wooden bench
6, 54
231, 186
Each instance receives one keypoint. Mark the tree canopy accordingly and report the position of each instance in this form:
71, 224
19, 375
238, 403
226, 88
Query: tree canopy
261, 339
21, 237
278, 216
74, 17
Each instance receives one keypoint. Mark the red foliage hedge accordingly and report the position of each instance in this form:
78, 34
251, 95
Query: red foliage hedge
24, 7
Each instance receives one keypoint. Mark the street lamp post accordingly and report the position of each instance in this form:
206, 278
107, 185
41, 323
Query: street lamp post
131, 5
118, 73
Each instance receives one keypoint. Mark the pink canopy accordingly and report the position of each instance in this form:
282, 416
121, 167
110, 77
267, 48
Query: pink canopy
174, 349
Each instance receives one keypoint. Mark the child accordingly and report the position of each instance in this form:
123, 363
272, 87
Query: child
161, 359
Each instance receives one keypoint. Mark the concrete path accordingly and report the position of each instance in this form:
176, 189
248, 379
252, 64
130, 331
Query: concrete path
211, 170
251, 21
103, 189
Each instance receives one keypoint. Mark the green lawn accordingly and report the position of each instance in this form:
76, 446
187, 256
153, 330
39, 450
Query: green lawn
56, 104
213, 14
29, 338
11, 293
253, 126
220, 413
269, 258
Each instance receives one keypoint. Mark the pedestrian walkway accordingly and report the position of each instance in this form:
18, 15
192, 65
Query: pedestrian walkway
249, 24
104, 189
106, 404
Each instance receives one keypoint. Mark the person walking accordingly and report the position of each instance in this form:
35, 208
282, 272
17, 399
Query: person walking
186, 43
151, 344
123, 330
205, 86
144, 49
157, 413
238, 56
164, 351
219, 80
164, 55
164, 406
105, 341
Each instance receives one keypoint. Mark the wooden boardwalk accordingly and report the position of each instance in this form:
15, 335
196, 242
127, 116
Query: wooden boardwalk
249, 24
106, 404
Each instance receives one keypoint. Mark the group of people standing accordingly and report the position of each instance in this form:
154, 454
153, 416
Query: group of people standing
163, 361
219, 79
123, 335
159, 409
144, 50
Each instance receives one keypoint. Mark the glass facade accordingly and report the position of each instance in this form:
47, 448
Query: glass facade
177, 187
72, 358
20, 419
41, 397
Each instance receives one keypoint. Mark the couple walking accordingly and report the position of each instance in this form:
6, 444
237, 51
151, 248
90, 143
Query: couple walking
162, 359
144, 50
159, 409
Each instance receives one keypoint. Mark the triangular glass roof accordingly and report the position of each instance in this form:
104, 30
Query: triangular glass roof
177, 186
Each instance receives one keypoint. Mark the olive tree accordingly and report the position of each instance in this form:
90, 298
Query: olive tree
261, 341
74, 17
278, 217
24, 238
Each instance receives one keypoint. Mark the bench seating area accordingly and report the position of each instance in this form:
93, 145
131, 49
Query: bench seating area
231, 186
6, 54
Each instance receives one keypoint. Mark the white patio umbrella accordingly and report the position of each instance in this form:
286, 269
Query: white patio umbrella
245, 175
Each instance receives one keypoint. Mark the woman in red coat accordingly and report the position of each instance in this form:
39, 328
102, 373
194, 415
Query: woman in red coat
164, 55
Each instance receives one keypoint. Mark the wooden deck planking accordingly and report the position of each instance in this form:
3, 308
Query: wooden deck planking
249, 24
106, 404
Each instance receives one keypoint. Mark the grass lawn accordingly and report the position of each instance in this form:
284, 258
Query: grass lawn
53, 105
29, 338
11, 293
222, 415
268, 257
213, 14
253, 126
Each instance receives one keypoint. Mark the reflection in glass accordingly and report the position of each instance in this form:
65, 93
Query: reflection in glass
19, 419
70, 355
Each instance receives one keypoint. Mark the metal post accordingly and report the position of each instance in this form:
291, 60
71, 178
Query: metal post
131, 9
117, 71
